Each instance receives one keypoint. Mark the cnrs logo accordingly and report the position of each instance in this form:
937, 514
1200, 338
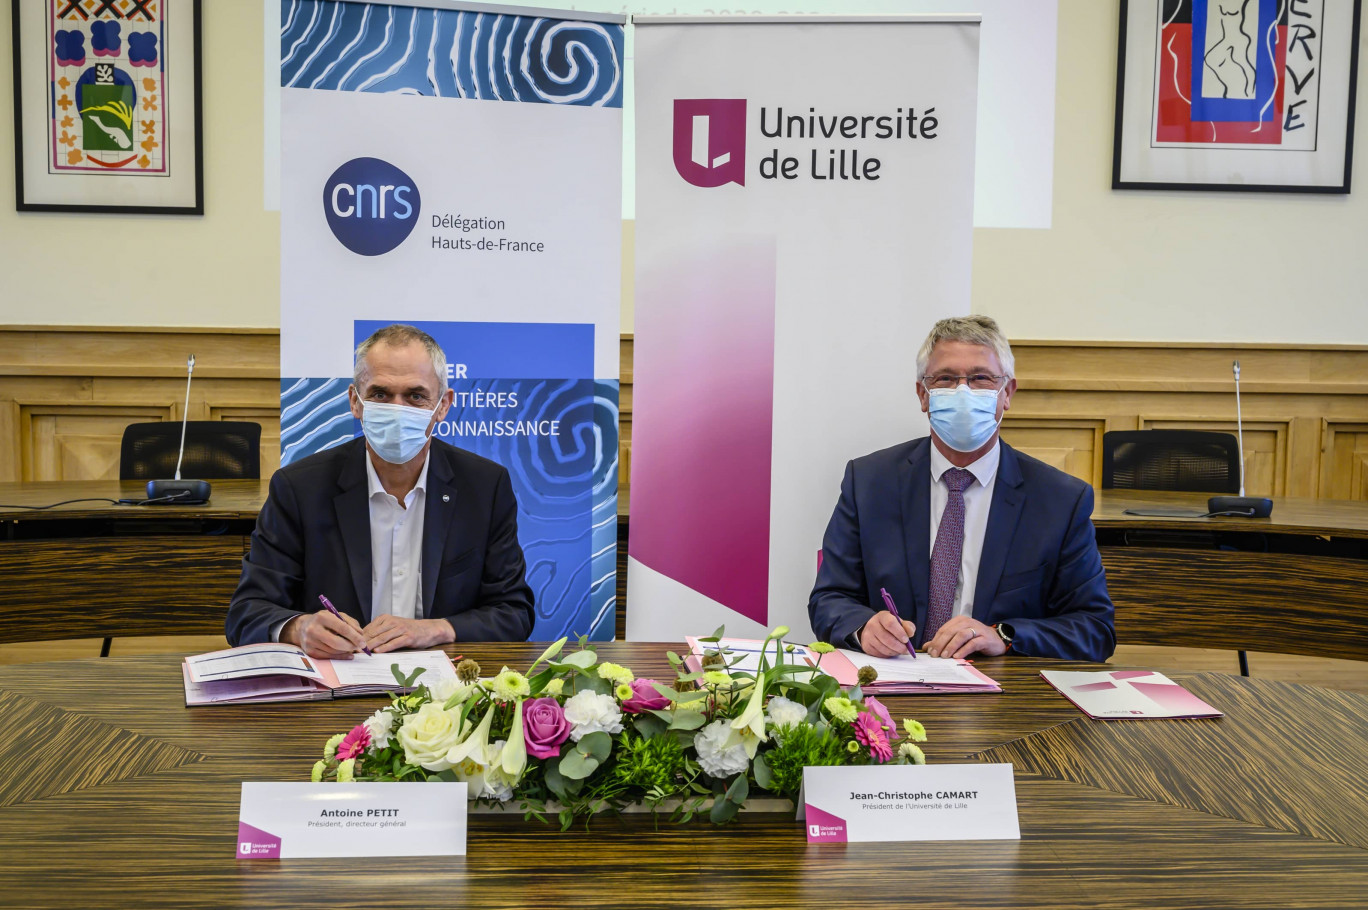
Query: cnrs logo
710, 140
371, 205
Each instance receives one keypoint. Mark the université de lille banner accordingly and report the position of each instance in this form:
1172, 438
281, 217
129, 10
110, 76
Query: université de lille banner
460, 170
804, 213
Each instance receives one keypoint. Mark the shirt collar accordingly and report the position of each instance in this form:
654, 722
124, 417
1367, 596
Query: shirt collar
984, 470
373, 484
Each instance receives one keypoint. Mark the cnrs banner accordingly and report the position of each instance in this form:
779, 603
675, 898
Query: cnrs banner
805, 194
460, 170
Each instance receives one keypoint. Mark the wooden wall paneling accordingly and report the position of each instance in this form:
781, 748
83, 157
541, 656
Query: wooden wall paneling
1073, 446
67, 392
1345, 463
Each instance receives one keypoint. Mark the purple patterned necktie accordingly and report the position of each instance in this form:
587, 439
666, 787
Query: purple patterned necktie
947, 552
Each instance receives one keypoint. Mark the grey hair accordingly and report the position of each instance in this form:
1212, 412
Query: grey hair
398, 335
969, 330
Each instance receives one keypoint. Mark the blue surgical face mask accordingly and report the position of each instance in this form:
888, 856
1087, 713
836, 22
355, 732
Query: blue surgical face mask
964, 418
396, 433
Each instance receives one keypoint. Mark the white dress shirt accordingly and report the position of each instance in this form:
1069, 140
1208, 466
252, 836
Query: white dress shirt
978, 497
396, 547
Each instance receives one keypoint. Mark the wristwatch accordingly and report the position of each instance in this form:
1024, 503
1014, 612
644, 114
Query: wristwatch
1004, 632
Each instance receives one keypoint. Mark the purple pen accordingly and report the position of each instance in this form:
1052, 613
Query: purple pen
892, 608
333, 610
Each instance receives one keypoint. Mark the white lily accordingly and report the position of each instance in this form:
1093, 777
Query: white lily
749, 728
475, 743
514, 758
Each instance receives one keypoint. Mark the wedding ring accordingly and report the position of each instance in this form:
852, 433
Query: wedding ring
973, 633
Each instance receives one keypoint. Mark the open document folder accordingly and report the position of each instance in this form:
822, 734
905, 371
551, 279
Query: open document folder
1127, 694
281, 672
901, 675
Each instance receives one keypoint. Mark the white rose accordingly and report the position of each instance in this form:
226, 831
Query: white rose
785, 713
379, 725
716, 761
588, 712
427, 734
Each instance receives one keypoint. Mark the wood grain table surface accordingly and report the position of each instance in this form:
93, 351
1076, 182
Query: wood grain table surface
113, 794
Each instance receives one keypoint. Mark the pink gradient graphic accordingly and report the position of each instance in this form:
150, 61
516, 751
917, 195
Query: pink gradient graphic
1094, 687
1130, 674
253, 843
1173, 697
703, 423
823, 827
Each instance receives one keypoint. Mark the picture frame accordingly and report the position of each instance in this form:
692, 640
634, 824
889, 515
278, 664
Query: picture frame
1271, 108
107, 106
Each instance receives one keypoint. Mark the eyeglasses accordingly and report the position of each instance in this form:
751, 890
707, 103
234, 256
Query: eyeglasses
973, 380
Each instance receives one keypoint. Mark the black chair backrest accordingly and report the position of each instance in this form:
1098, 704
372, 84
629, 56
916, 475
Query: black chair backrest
1196, 461
214, 450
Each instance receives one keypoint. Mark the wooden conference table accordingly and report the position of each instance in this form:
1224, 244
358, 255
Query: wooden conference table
112, 794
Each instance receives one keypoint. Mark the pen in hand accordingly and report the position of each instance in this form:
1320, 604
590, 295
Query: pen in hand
892, 608
333, 610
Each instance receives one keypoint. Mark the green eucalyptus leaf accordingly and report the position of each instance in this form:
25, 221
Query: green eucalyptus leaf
597, 744
739, 789
581, 660
575, 765
554, 781
723, 811
648, 725
763, 776
687, 720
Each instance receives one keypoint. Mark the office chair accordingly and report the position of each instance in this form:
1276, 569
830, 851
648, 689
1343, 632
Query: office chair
214, 450
1193, 461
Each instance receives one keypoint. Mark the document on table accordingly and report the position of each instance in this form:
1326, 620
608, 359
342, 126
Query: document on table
376, 669
934, 671
1127, 694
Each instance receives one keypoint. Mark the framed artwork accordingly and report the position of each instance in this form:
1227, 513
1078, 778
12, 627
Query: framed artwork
107, 106
1243, 95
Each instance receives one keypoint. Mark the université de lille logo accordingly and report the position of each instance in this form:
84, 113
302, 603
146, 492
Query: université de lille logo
710, 141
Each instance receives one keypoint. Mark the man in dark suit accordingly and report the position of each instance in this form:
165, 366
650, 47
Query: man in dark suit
414, 541
983, 550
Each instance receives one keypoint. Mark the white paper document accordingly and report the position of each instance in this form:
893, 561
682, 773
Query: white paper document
939, 671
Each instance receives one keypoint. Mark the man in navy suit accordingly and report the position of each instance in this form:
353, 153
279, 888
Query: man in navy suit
983, 550
414, 541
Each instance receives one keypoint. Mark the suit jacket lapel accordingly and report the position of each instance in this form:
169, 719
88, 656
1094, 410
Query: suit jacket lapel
438, 512
352, 505
1003, 516
914, 490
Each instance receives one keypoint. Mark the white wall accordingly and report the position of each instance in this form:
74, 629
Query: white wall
222, 269
1115, 266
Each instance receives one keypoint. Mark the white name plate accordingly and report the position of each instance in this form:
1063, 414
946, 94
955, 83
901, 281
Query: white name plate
292, 820
910, 802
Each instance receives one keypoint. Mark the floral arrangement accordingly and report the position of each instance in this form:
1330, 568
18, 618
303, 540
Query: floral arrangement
574, 736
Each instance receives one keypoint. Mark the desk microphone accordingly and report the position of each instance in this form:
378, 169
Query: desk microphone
1242, 506
180, 492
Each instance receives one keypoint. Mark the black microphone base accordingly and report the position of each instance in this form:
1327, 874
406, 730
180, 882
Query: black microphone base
178, 492
1241, 506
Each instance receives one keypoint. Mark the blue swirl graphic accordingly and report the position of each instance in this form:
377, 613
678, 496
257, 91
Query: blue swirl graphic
364, 47
313, 416
566, 484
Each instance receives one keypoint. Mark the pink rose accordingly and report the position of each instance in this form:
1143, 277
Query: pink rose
354, 743
544, 727
870, 733
645, 698
890, 728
